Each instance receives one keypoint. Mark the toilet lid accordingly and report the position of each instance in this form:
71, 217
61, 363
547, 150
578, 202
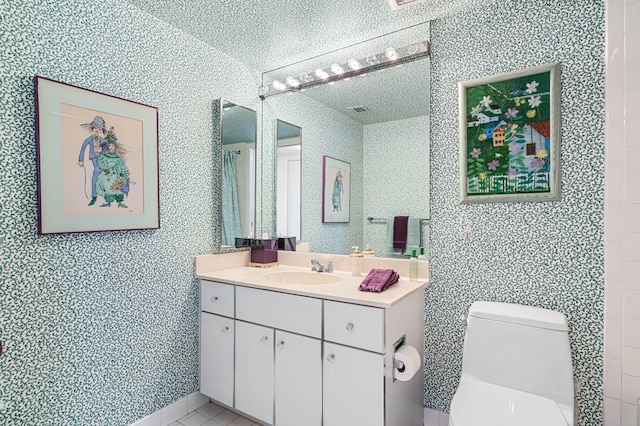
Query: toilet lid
483, 404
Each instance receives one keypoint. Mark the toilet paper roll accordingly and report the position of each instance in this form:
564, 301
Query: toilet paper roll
409, 357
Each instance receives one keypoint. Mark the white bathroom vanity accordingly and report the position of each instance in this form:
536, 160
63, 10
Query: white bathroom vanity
287, 346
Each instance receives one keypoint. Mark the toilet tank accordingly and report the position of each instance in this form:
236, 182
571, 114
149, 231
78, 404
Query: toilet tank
520, 347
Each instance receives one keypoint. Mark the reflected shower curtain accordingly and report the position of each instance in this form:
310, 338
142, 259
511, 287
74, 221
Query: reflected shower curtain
230, 209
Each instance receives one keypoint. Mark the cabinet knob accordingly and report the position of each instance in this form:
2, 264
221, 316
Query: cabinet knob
214, 299
281, 343
225, 328
349, 326
331, 357
264, 339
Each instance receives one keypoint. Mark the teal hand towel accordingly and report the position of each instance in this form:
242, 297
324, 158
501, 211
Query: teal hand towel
389, 242
414, 234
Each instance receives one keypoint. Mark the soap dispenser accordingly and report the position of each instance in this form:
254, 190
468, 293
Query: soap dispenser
356, 261
367, 251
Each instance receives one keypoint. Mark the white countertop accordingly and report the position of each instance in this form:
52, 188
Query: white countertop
345, 290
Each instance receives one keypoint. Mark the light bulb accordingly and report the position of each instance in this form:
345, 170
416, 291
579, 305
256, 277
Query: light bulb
336, 69
292, 82
354, 64
305, 78
322, 74
412, 49
278, 85
391, 53
372, 60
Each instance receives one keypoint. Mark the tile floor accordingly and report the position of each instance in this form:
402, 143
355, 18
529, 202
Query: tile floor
212, 414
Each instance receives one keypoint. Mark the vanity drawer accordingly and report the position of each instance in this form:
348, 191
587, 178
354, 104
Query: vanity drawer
298, 314
354, 325
217, 298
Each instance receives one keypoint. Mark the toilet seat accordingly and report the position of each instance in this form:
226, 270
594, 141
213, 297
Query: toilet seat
478, 403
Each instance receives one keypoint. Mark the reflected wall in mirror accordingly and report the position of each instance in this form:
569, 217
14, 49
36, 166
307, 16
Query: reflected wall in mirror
288, 179
379, 123
235, 130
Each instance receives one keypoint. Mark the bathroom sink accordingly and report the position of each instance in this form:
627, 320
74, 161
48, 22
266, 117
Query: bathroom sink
302, 277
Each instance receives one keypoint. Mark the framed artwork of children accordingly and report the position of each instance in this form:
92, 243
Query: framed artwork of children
97, 159
510, 136
336, 190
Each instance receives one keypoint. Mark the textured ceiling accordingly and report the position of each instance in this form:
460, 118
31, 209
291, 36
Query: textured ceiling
270, 34
285, 37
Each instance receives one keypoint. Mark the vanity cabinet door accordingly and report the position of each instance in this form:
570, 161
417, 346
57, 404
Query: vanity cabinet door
298, 380
254, 370
216, 357
353, 391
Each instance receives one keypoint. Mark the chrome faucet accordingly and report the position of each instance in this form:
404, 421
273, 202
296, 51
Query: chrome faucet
318, 267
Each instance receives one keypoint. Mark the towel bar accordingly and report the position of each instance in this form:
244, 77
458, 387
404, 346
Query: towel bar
383, 220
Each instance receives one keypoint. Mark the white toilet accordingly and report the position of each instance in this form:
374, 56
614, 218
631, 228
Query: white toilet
516, 368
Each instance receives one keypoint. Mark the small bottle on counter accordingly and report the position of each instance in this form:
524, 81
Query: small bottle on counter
413, 266
422, 256
356, 261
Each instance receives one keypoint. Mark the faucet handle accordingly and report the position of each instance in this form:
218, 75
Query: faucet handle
329, 267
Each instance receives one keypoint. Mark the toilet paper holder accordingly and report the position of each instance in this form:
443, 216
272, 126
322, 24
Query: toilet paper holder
398, 364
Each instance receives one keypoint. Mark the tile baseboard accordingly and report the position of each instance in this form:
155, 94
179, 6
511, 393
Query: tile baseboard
435, 418
190, 403
174, 411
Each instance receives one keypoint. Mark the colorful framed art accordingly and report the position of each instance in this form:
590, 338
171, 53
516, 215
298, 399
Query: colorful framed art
510, 136
97, 159
336, 190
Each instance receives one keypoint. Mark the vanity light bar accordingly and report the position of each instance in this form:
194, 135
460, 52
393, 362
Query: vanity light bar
351, 68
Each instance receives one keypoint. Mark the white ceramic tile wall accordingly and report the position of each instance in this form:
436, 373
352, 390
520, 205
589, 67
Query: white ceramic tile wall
622, 214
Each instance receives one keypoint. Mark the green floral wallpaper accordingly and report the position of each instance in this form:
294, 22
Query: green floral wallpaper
547, 254
101, 328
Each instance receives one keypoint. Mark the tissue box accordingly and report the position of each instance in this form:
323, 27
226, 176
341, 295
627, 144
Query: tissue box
243, 242
264, 251
287, 243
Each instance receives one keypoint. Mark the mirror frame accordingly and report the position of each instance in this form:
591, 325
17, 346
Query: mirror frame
218, 107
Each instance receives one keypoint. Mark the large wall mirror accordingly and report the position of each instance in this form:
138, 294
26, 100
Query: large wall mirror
235, 127
378, 123
288, 179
